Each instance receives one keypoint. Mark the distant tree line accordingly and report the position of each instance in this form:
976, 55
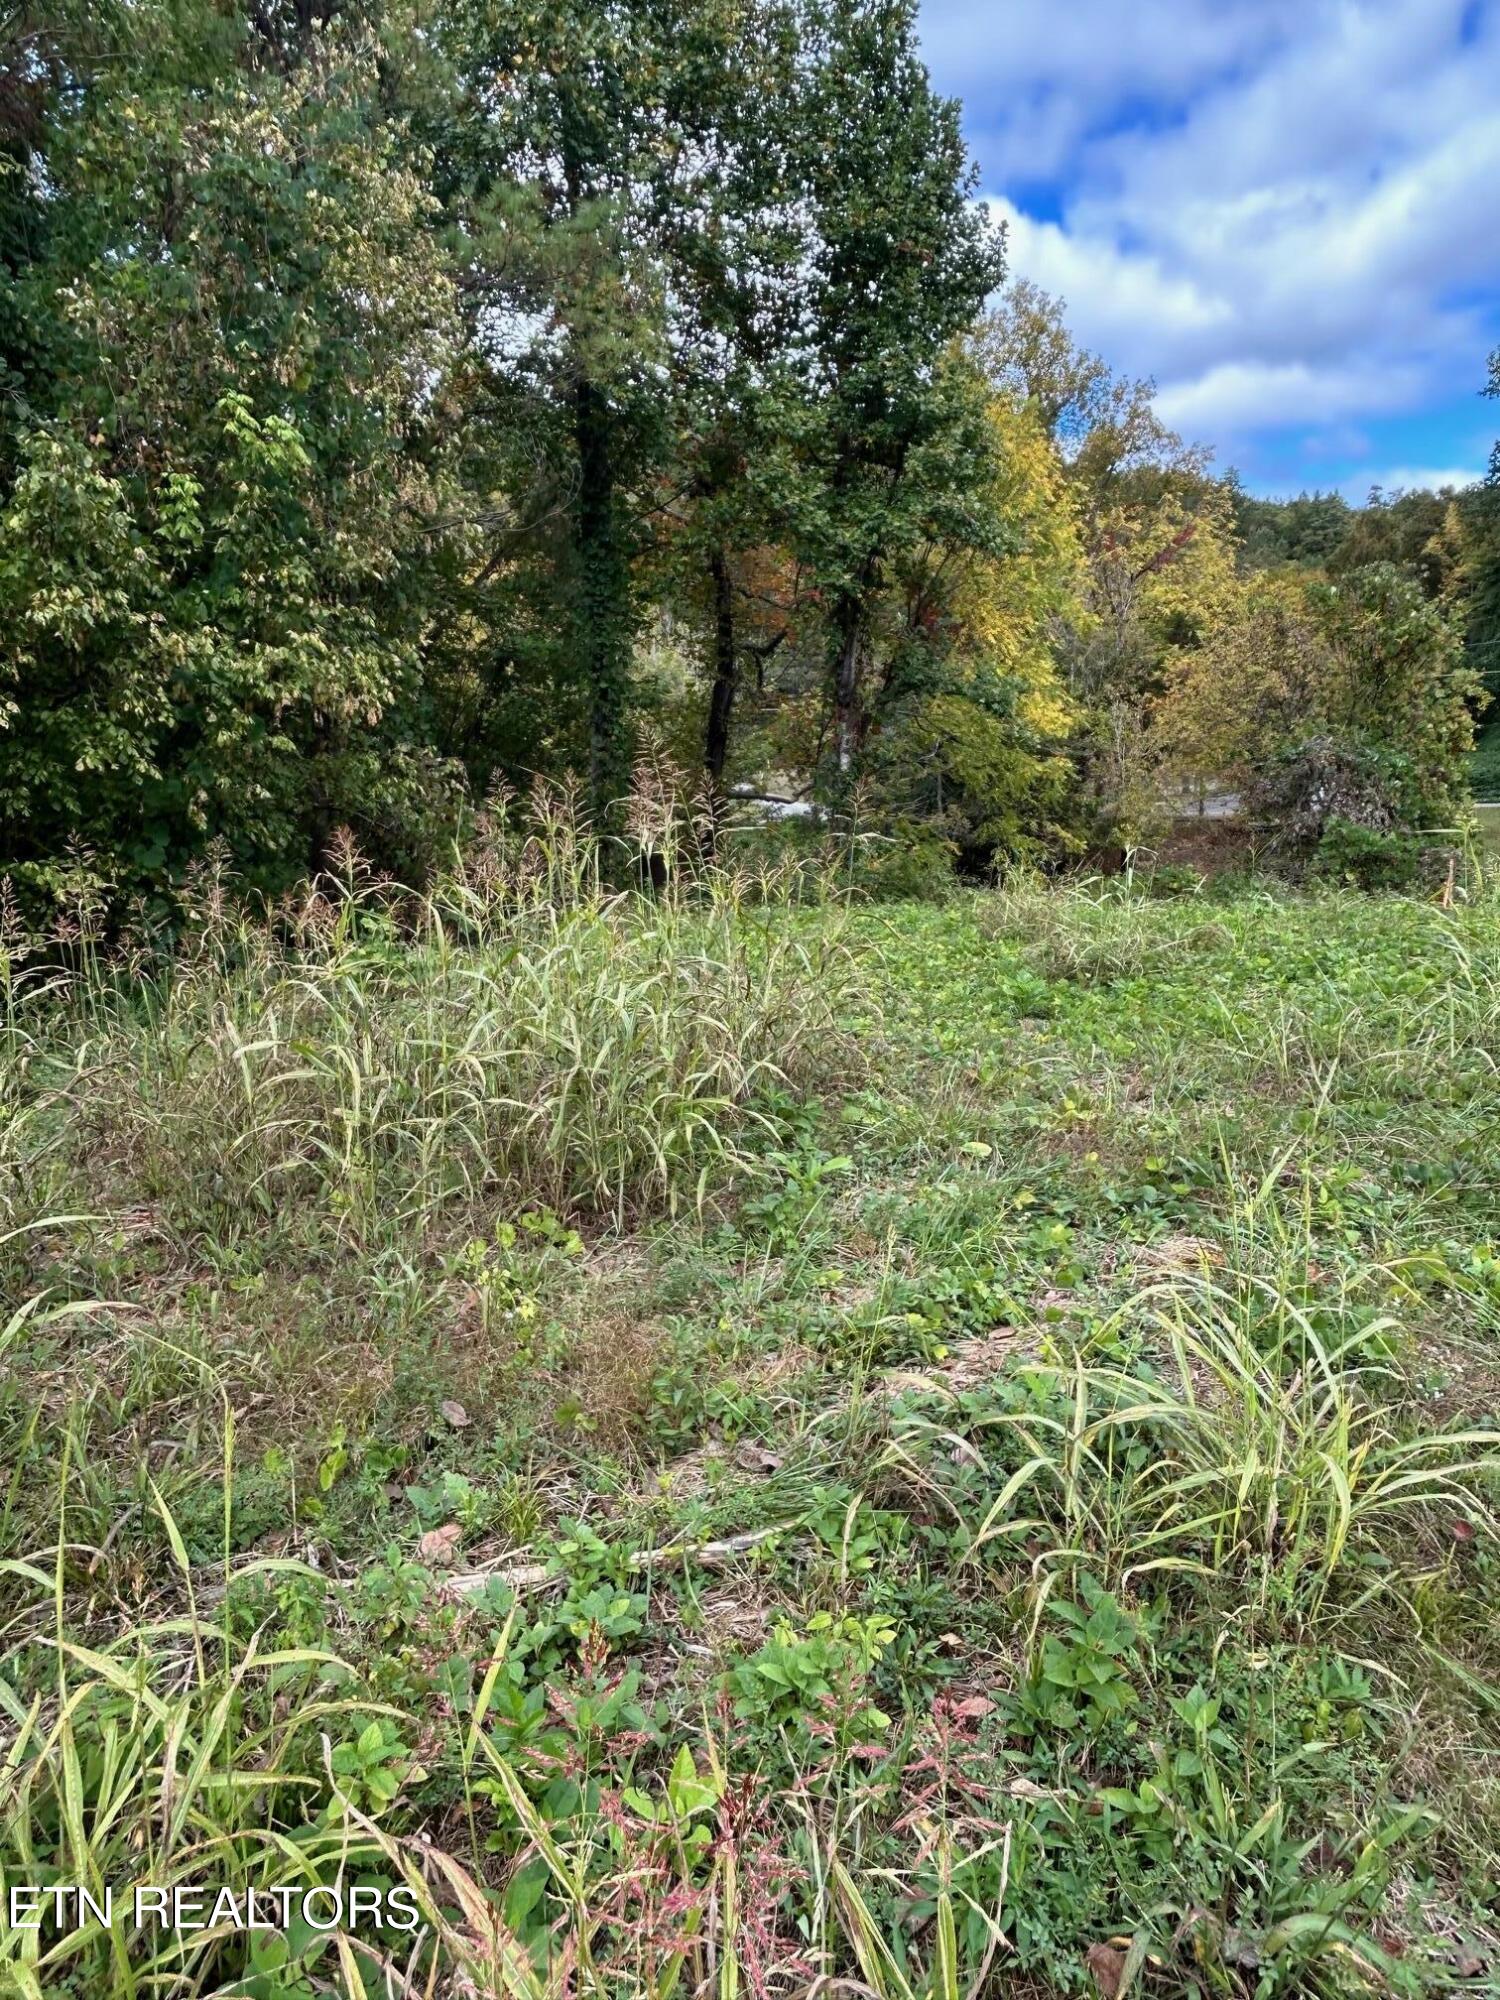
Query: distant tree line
399, 400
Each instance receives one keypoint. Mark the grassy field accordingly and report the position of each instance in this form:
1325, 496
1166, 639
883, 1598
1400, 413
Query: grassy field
1484, 765
1488, 822
738, 1442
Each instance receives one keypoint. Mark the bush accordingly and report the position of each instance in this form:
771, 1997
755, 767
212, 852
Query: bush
1169, 880
914, 864
1366, 858
1302, 790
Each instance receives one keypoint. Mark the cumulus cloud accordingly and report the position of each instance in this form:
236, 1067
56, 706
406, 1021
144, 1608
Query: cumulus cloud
1233, 397
1042, 77
1286, 214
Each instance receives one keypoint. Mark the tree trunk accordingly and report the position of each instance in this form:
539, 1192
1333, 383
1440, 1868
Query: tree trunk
848, 716
604, 625
726, 673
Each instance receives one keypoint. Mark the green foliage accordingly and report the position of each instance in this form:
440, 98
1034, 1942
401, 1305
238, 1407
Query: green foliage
1081, 1679
212, 537
394, 410
883, 443
1366, 857
1304, 787
1405, 683
1480, 522
1305, 532
1053, 1518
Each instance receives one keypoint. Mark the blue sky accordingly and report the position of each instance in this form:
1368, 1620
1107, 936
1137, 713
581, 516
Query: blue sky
1285, 211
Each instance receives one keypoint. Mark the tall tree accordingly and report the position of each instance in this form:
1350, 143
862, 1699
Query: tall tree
736, 313
1481, 561
587, 144
51, 56
973, 720
211, 568
902, 259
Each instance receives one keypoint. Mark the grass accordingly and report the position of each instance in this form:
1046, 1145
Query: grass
740, 1440
1484, 764
1488, 819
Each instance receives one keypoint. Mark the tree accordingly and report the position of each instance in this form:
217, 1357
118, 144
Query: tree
1023, 346
1263, 677
1305, 532
1401, 680
1480, 560
901, 261
1155, 531
737, 312
586, 149
1408, 529
1366, 664
211, 578
972, 738
50, 58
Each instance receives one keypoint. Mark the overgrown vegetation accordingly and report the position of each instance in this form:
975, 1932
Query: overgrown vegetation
746, 1438
400, 401
720, 1412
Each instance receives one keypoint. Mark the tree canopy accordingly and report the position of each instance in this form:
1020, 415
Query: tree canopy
403, 402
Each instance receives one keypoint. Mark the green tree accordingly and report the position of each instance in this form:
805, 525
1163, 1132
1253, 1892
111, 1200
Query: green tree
737, 315
880, 436
1402, 680
1480, 519
973, 730
212, 556
50, 58
1406, 528
1303, 533
586, 149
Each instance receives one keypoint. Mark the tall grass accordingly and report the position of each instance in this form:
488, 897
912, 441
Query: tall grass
521, 1031
272, 1148
169, 1757
1234, 1441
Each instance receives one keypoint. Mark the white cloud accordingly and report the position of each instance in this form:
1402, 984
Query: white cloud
1232, 397
1410, 479
1286, 214
1114, 293
1056, 71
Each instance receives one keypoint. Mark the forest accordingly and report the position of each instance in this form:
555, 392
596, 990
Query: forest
748, 1049
401, 405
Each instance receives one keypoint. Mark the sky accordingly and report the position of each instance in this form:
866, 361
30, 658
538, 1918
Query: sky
1286, 212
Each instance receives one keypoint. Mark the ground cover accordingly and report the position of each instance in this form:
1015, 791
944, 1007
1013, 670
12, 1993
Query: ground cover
739, 1439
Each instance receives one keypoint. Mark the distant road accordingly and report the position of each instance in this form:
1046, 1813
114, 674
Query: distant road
1215, 805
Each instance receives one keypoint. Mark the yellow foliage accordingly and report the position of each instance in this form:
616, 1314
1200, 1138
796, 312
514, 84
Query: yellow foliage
1008, 608
1190, 587
1163, 563
978, 754
1265, 670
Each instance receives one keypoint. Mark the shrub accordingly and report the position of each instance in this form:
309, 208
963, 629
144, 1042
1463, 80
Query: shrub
912, 864
1301, 790
1367, 858
1171, 879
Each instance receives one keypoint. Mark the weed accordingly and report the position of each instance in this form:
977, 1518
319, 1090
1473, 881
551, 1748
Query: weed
740, 1442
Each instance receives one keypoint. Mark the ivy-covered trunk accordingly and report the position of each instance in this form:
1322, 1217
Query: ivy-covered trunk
721, 701
848, 708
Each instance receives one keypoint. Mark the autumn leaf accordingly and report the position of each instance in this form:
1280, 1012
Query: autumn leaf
439, 1546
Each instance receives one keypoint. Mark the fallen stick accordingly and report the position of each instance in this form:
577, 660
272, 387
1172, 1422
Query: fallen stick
532, 1576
